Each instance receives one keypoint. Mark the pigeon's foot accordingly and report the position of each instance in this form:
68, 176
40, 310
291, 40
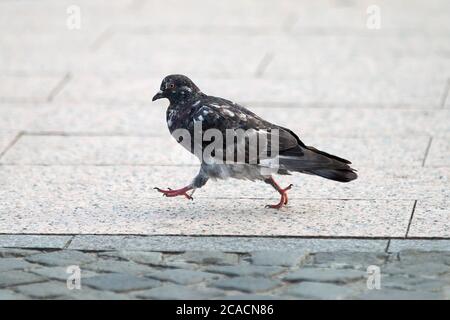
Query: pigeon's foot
178, 192
281, 191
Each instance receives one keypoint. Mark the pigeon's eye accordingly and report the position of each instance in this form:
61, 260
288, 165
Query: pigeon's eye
171, 86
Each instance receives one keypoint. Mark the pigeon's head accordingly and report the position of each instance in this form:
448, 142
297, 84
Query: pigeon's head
177, 87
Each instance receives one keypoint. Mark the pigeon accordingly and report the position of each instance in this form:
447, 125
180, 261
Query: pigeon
191, 111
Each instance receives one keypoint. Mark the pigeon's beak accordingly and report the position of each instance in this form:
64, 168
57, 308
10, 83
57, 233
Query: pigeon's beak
158, 95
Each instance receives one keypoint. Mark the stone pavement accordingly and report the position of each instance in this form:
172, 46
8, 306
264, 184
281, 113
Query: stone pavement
82, 145
123, 272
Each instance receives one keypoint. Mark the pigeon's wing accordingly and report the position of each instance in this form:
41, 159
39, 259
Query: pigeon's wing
254, 138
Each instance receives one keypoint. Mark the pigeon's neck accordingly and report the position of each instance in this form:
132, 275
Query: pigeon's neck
186, 99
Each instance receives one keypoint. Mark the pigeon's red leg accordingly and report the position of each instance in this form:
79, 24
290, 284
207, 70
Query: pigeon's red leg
281, 191
179, 192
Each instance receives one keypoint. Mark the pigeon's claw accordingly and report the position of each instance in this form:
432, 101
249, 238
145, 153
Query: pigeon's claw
281, 191
174, 193
279, 205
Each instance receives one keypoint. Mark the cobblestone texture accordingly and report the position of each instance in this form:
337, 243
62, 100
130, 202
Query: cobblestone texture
420, 274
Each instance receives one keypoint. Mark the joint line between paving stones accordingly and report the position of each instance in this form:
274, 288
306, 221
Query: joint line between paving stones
445, 93
411, 218
387, 246
59, 87
427, 151
102, 38
69, 242
11, 144
263, 64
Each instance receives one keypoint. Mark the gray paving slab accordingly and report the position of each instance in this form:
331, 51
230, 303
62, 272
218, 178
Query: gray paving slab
7, 264
60, 273
11, 295
273, 258
62, 258
33, 241
81, 185
17, 277
246, 284
363, 218
431, 219
318, 290
120, 282
18, 117
183, 277
178, 292
429, 245
230, 244
361, 92
334, 17
308, 122
325, 275
439, 153
88, 150
14, 88
6, 138
46, 290
149, 53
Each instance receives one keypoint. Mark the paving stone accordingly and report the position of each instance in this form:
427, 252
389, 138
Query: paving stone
120, 282
319, 290
15, 277
78, 204
392, 294
228, 244
126, 48
425, 270
446, 292
343, 259
412, 256
246, 284
44, 290
439, 153
245, 270
15, 118
118, 267
184, 277
177, 292
120, 150
96, 150
206, 257
60, 273
62, 258
6, 138
11, 295
7, 264
32, 88
278, 258
403, 282
426, 245
145, 257
321, 122
325, 275
33, 241
431, 219
13, 252
90, 294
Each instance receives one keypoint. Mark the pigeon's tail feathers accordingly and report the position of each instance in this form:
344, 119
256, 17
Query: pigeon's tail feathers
341, 175
312, 161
